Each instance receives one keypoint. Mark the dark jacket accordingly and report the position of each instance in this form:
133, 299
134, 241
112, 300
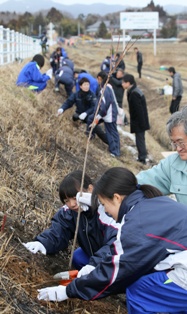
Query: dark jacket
108, 108
139, 58
139, 120
65, 75
69, 62
95, 234
84, 102
148, 228
118, 89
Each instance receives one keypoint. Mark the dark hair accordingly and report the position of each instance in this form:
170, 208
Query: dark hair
122, 181
71, 184
83, 71
171, 69
39, 59
118, 54
129, 78
58, 49
84, 80
103, 75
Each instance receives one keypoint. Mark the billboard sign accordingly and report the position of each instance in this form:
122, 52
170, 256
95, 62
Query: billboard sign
139, 20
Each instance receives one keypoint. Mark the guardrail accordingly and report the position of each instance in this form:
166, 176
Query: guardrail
15, 46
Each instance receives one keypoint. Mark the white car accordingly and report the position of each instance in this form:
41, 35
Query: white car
119, 38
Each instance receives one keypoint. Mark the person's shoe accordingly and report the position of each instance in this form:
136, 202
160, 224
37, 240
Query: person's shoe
112, 155
142, 161
57, 89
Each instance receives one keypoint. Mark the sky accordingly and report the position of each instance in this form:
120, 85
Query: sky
134, 3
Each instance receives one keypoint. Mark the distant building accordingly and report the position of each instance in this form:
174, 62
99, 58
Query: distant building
93, 29
181, 24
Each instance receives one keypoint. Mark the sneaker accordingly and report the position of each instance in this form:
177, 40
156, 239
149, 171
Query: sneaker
57, 89
112, 155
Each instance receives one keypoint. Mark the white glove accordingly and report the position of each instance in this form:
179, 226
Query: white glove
35, 247
82, 116
60, 111
49, 73
57, 293
84, 201
85, 270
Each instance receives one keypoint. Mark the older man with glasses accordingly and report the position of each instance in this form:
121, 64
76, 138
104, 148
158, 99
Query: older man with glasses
170, 175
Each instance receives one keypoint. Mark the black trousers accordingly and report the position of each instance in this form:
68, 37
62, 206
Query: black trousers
139, 69
141, 147
175, 104
97, 130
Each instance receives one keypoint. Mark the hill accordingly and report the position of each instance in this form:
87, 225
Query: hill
21, 6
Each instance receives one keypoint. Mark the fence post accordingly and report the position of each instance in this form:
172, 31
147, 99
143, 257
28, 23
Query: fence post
12, 39
1, 45
8, 44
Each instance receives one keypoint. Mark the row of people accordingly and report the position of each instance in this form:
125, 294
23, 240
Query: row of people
85, 111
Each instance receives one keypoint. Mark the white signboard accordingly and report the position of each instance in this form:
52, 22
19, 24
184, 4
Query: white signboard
139, 20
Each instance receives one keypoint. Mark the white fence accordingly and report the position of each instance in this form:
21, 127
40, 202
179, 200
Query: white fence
15, 46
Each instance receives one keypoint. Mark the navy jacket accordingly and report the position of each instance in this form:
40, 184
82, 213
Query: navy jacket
108, 107
95, 234
148, 228
84, 102
65, 75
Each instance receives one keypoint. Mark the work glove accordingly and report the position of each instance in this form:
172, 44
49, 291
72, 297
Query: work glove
84, 201
60, 111
49, 73
35, 247
85, 270
57, 293
82, 116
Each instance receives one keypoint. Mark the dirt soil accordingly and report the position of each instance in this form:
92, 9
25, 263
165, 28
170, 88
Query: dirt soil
38, 149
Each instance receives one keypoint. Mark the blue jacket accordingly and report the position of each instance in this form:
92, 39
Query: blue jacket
169, 176
148, 227
84, 102
64, 53
93, 82
105, 65
95, 234
30, 76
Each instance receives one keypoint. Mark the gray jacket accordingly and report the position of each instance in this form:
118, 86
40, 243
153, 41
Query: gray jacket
177, 85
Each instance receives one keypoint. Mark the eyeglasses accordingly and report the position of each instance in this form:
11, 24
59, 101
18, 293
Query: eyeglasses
180, 145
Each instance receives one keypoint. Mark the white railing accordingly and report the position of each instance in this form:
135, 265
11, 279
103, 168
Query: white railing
15, 46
